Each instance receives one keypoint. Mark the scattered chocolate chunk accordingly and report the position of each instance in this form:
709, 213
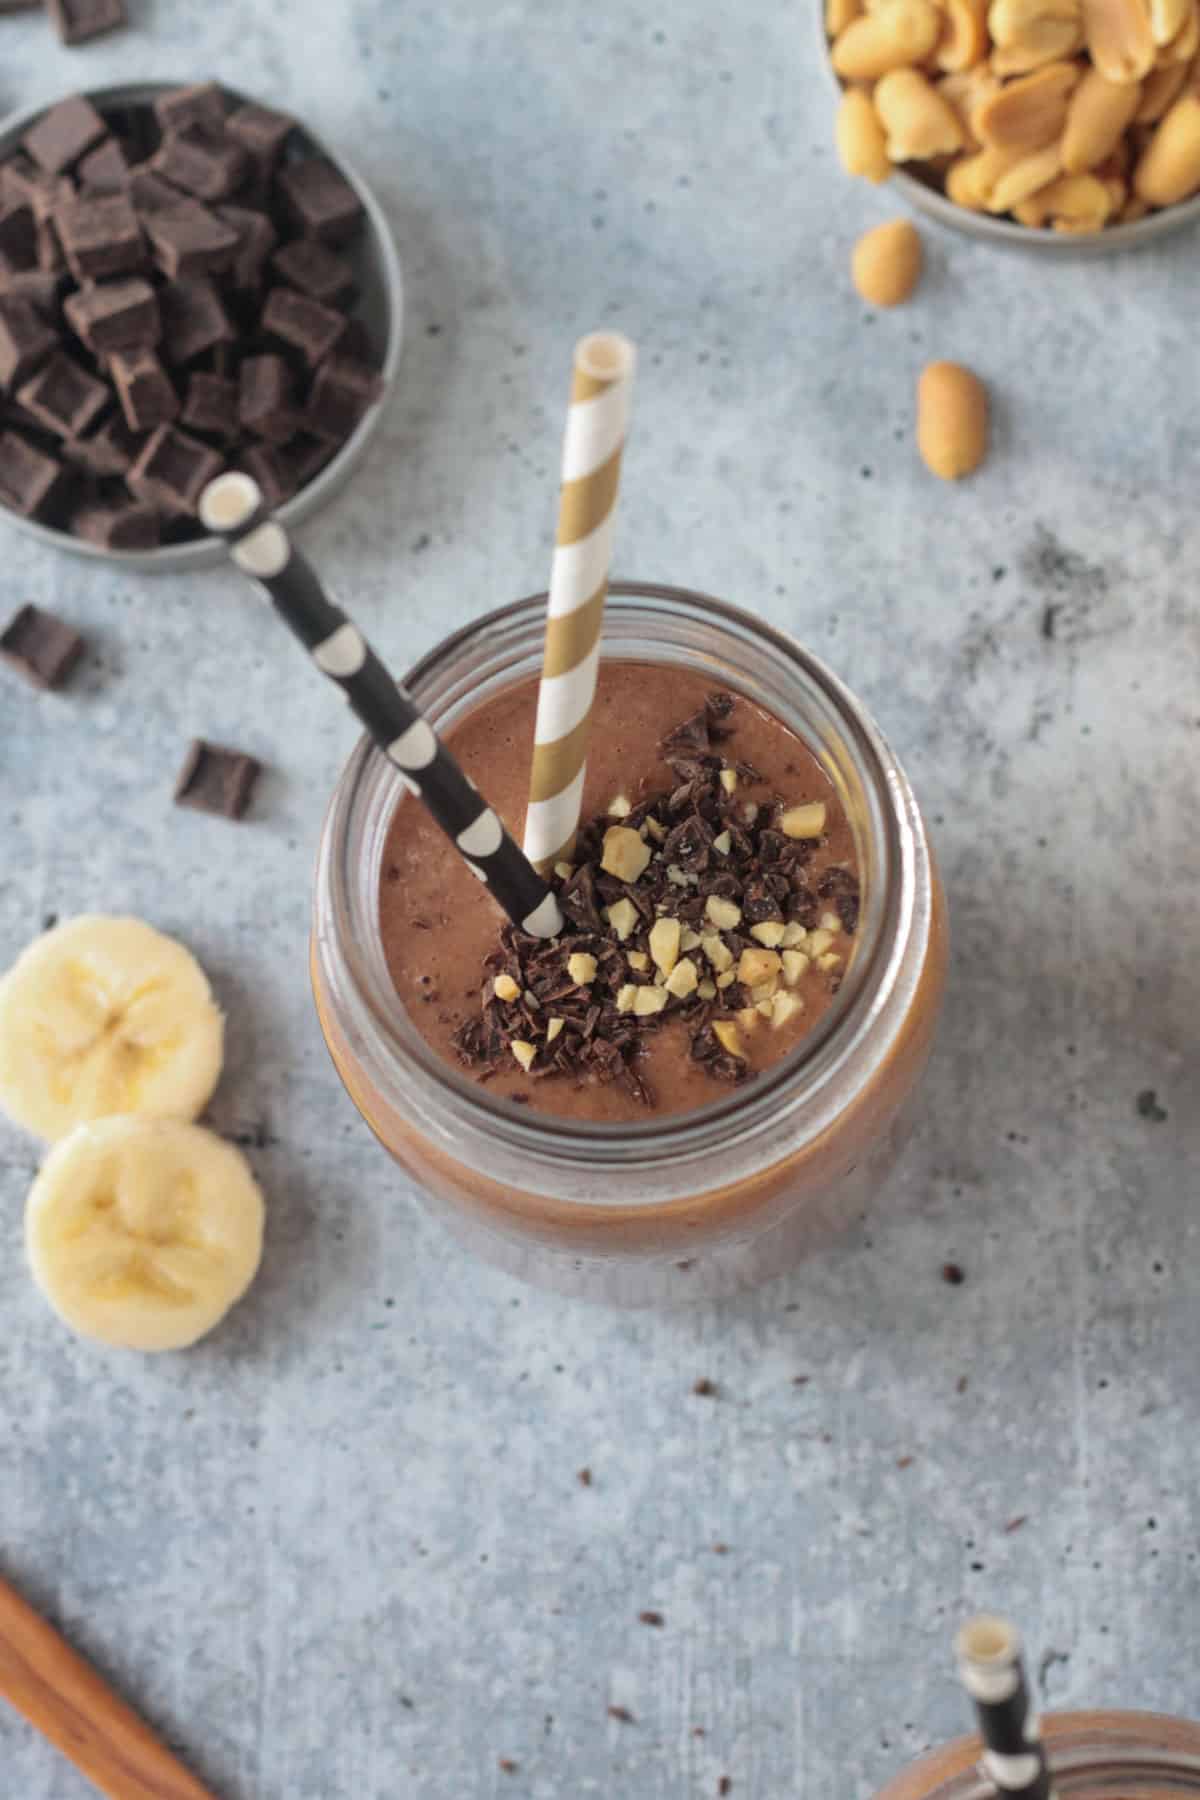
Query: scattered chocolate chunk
100, 235
265, 464
78, 20
110, 450
37, 189
40, 647
202, 160
188, 240
25, 340
316, 271
128, 526
41, 287
256, 237
18, 234
508, 1766
322, 201
29, 479
211, 406
953, 1274
1148, 1107
216, 779
193, 320
720, 1549
905, 1462
173, 470
104, 170
260, 131
343, 390
150, 193
143, 388
584, 1478
305, 324
64, 134
115, 315
648, 1617
725, 1785
63, 398
264, 403
704, 1387
201, 104
622, 1715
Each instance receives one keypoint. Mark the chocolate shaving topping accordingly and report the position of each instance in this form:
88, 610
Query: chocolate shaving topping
705, 847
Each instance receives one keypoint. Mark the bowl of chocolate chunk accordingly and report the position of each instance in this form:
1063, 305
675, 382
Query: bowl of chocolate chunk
190, 281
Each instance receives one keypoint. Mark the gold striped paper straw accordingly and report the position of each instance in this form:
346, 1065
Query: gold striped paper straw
597, 420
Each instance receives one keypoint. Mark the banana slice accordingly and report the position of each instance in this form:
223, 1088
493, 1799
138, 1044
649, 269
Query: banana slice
144, 1232
104, 1016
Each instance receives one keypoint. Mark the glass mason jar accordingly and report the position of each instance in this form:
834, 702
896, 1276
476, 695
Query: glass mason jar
699, 1203
1093, 1755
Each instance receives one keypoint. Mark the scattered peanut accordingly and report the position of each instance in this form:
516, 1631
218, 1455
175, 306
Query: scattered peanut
919, 123
729, 780
795, 967
899, 34
722, 843
887, 262
523, 1051
505, 988
806, 821
726, 915
553, 1027
757, 965
952, 422
626, 996
623, 916
784, 1008
726, 1034
581, 968
1118, 37
684, 978
624, 854
793, 934
1098, 113
717, 952
637, 959
769, 933
860, 139
649, 1000
664, 943
1169, 168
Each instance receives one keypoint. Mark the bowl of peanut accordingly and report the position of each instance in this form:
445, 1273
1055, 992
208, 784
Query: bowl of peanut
1069, 125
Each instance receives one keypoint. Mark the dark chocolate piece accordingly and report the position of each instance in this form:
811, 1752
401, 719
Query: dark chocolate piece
216, 779
109, 451
264, 399
173, 470
189, 240
270, 470
78, 20
260, 131
201, 104
257, 237
22, 182
343, 390
105, 169
193, 320
303, 458
305, 324
63, 398
100, 235
322, 201
114, 315
316, 271
211, 406
25, 340
42, 648
202, 161
64, 134
132, 526
18, 234
28, 477
150, 193
39, 286
144, 389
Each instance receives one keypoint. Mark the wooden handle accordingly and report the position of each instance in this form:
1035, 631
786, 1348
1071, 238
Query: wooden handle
68, 1703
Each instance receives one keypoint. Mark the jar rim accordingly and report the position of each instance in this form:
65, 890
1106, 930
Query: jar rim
884, 928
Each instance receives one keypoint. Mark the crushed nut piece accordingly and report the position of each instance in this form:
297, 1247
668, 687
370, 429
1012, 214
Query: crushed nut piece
680, 877
523, 1051
726, 979
553, 1027
657, 832
622, 915
722, 843
764, 990
505, 988
818, 942
785, 1007
664, 943
626, 997
831, 960
581, 968
619, 807
564, 870
689, 939
624, 854
748, 1018
707, 990
829, 921
793, 934
770, 933
647, 1000
724, 914
803, 821
757, 965
637, 959
726, 1034
729, 780
717, 951
795, 966
683, 979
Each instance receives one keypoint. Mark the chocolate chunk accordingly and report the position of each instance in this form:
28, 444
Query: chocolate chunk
257, 237
63, 398
322, 201
264, 399
115, 315
211, 406
25, 340
216, 779
109, 451
189, 240
105, 169
305, 324
150, 193
303, 458
78, 20
193, 320
100, 235
201, 104
64, 134
133, 526
316, 271
203, 161
260, 131
22, 183
41, 647
342, 391
18, 234
173, 470
270, 470
39, 286
143, 388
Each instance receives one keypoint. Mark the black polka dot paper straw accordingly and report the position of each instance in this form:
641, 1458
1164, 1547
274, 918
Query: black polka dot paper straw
990, 1666
232, 507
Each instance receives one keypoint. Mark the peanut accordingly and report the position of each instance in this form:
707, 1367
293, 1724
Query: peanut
887, 263
1030, 33
624, 854
807, 821
1119, 39
900, 34
965, 91
839, 14
1028, 113
952, 420
918, 122
1075, 203
1098, 113
963, 41
1169, 168
1184, 45
1167, 19
1160, 88
1026, 177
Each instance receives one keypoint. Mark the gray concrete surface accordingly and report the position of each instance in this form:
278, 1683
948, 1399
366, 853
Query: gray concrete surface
340, 1551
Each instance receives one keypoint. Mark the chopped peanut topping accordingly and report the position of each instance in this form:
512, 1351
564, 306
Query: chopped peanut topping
664, 943
647, 1000
770, 933
581, 968
758, 965
683, 979
729, 780
803, 821
623, 916
505, 988
726, 1034
624, 855
795, 966
552, 1029
524, 1052
724, 914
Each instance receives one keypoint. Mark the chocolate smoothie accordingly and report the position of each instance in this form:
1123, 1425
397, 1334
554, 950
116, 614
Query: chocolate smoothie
711, 904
